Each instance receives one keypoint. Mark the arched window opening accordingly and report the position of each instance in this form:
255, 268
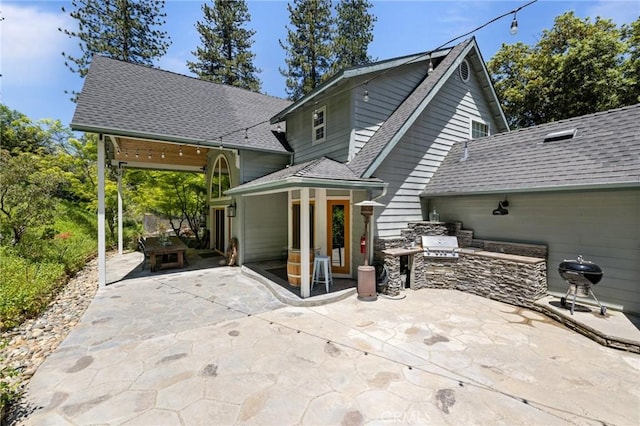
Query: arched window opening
220, 178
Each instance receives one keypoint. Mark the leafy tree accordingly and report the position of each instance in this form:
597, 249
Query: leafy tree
631, 34
308, 46
578, 67
19, 134
354, 32
180, 197
224, 56
27, 186
123, 29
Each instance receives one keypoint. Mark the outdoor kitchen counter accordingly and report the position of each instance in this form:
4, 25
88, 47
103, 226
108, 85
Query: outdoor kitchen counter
505, 256
401, 251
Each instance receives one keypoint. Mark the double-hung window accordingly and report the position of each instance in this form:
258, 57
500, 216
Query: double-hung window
479, 129
318, 127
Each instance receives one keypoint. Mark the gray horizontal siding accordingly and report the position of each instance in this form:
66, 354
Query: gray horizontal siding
445, 121
386, 93
257, 164
265, 226
338, 130
602, 226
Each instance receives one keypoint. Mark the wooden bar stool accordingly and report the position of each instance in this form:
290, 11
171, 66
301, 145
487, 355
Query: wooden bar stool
321, 272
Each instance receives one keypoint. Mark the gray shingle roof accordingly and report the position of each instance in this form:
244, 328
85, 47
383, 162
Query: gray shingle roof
605, 152
319, 169
393, 125
136, 100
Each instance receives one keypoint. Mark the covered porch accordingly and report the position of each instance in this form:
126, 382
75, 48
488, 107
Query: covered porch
290, 217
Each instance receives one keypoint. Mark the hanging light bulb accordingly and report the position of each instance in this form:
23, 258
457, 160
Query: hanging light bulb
366, 96
514, 25
430, 69
246, 135
279, 129
149, 155
126, 152
162, 154
137, 154
315, 114
198, 150
180, 153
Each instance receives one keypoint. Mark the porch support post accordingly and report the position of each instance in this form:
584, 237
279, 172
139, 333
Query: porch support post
305, 241
290, 220
321, 222
120, 244
102, 246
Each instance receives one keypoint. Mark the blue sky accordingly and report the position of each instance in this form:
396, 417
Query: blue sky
34, 77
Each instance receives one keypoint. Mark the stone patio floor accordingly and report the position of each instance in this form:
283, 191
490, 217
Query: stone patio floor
216, 346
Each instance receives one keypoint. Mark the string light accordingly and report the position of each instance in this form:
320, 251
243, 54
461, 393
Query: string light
180, 153
149, 155
162, 154
514, 25
137, 154
198, 149
366, 95
430, 69
126, 152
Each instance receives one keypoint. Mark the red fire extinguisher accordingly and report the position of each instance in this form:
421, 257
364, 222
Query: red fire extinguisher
363, 244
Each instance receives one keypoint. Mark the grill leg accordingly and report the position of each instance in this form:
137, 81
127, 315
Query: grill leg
603, 309
573, 302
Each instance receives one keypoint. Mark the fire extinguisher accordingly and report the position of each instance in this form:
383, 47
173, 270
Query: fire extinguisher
363, 244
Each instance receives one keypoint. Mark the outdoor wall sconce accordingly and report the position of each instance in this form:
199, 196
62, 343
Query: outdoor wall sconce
231, 209
501, 210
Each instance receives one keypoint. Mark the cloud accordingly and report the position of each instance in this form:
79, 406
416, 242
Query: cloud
31, 43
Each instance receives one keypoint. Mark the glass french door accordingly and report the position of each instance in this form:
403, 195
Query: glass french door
219, 234
339, 235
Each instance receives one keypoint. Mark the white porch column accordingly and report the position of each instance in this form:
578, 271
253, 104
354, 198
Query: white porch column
305, 286
120, 244
102, 246
322, 219
289, 220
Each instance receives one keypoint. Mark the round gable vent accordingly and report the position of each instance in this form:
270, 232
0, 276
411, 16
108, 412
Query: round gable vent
464, 70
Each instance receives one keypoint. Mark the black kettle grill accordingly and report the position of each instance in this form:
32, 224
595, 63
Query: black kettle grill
581, 275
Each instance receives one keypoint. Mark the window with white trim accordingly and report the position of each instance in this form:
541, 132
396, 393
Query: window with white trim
479, 129
220, 178
318, 124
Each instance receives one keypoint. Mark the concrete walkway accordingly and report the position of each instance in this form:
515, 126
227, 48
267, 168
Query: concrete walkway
213, 346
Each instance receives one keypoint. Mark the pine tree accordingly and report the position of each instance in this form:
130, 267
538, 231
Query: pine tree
123, 29
224, 56
354, 32
308, 46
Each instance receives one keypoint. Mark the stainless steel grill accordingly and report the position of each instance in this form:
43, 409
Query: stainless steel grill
442, 247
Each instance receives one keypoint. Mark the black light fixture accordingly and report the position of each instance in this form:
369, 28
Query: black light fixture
501, 210
231, 209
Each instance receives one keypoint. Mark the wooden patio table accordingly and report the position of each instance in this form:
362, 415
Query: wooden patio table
154, 247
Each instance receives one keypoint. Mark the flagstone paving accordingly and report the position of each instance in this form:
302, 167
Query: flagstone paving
213, 346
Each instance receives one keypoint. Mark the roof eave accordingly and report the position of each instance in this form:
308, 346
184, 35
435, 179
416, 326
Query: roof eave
302, 182
165, 138
356, 72
559, 188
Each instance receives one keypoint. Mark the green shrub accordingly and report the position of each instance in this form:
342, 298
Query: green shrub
26, 287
